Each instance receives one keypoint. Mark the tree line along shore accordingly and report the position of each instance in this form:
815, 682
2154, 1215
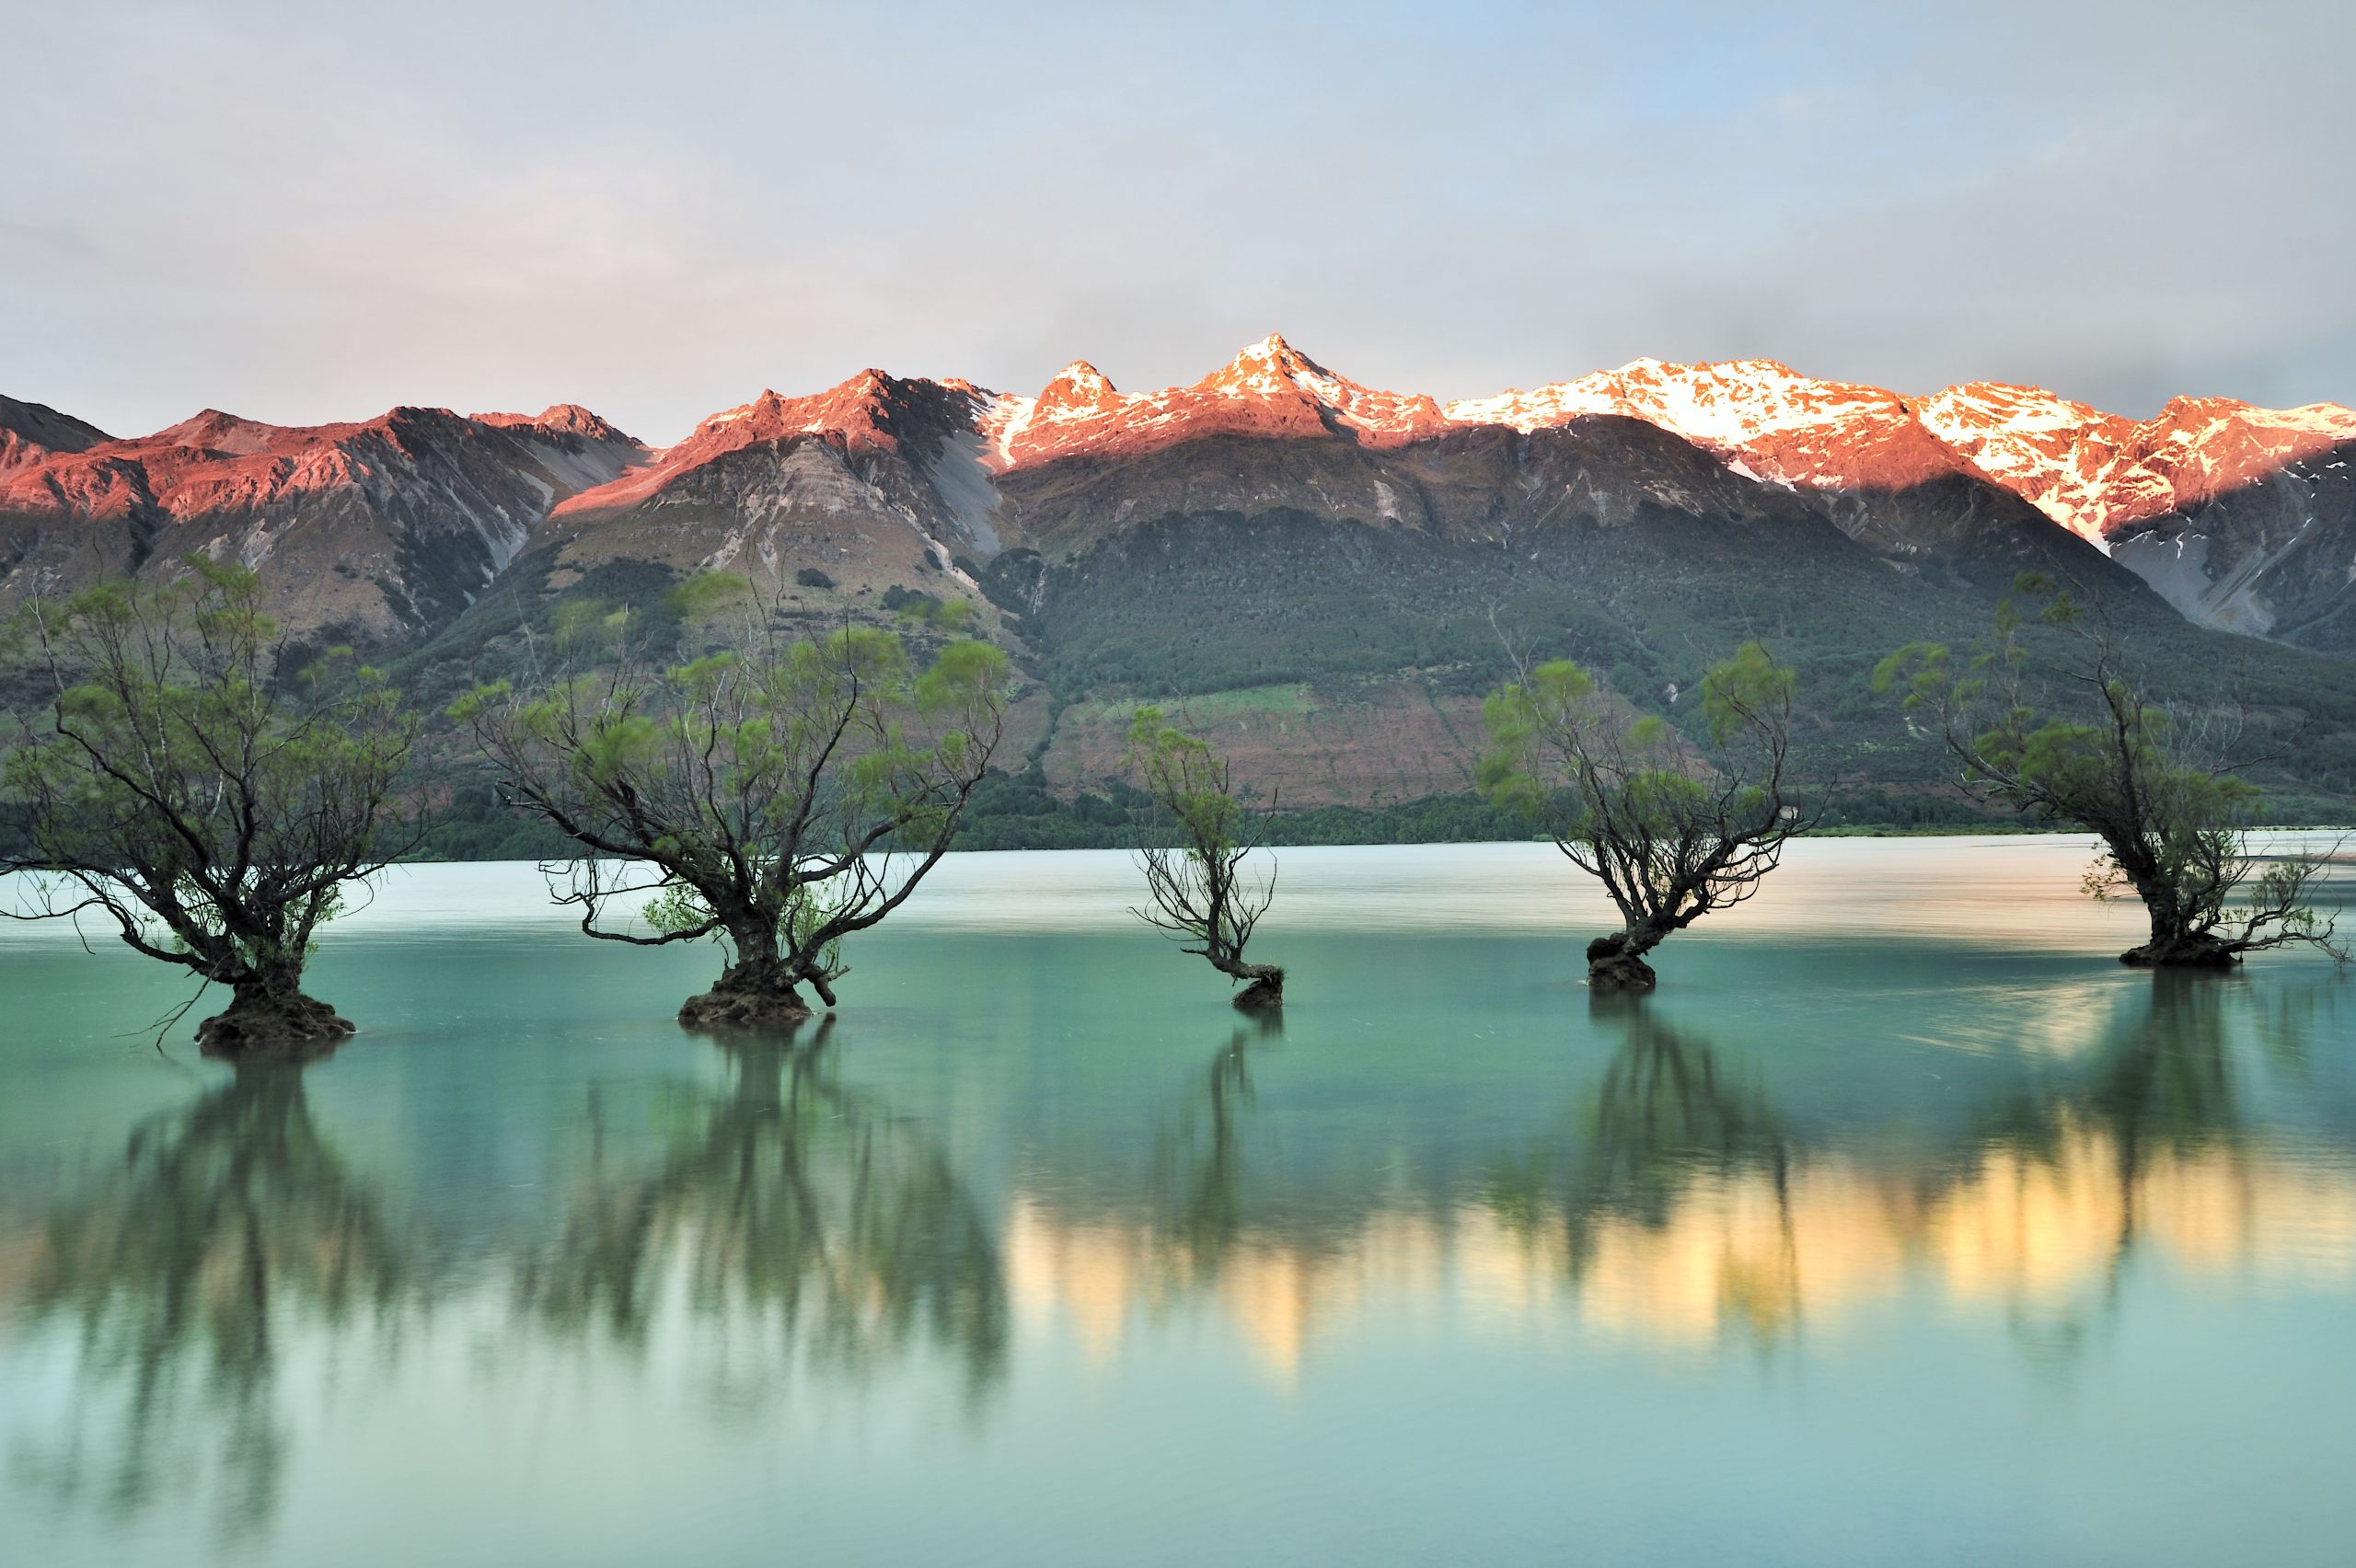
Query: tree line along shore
178, 771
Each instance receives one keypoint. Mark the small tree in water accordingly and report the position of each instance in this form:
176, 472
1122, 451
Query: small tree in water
216, 813
1673, 831
776, 796
1197, 888
2072, 738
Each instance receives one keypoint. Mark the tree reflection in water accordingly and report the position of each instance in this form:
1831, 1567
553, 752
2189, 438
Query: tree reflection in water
795, 1200
232, 1228
228, 1222
1666, 1119
2156, 1100
1680, 1204
1198, 1179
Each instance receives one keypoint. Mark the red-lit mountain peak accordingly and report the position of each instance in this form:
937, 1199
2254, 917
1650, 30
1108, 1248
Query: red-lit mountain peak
1269, 389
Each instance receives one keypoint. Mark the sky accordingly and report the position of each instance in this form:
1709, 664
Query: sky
304, 213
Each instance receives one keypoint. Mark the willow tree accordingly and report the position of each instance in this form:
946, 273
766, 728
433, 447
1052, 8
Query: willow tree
1672, 827
1196, 887
776, 796
2067, 733
173, 783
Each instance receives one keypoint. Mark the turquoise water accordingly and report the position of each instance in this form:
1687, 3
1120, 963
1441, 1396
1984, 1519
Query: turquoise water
1901, 1225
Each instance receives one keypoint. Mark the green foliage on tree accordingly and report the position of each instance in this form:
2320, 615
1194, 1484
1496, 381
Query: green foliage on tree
2065, 732
775, 795
216, 808
928, 611
708, 597
1199, 837
1674, 826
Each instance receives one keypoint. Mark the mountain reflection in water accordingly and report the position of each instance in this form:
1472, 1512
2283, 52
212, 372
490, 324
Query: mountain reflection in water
1673, 1205
794, 1241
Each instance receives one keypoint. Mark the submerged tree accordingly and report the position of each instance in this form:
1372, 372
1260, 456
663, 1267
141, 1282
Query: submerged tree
776, 796
1197, 888
1673, 829
217, 812
2070, 736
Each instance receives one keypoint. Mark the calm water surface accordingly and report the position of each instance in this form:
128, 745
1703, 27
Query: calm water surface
1902, 1225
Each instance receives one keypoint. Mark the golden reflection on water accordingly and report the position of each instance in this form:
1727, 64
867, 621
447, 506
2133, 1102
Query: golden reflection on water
1746, 1255
1681, 1212
1673, 1203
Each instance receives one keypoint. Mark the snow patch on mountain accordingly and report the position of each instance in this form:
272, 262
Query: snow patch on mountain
2096, 473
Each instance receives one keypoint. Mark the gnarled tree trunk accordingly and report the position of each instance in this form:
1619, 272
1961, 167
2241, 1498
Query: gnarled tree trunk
1265, 987
2174, 945
2178, 940
268, 1012
1616, 963
757, 992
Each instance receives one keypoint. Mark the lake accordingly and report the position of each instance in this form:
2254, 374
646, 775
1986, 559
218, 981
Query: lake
1902, 1225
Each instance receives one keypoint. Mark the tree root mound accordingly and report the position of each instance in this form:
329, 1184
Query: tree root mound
1611, 967
1261, 997
288, 1025
2182, 952
738, 1011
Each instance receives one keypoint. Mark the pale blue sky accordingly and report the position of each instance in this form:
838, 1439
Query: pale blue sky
306, 213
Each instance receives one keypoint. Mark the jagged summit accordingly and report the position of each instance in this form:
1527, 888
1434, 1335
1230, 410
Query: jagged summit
368, 526
214, 430
945, 453
1079, 384
1265, 366
2097, 473
2090, 471
1269, 389
569, 418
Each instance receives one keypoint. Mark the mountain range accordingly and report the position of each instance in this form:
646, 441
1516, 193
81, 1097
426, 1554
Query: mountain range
1329, 570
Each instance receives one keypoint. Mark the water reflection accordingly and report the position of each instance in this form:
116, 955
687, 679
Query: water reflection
2148, 1153
1218, 1216
787, 1201
1199, 1163
780, 1242
225, 1223
787, 1212
2139, 1151
1675, 1180
1675, 1202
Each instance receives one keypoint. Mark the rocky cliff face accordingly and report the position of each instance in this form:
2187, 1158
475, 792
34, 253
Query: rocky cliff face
876, 483
1337, 571
2273, 557
374, 530
33, 433
2240, 517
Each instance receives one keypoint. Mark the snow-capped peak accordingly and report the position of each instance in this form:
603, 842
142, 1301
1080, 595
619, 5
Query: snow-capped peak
1268, 365
2090, 471
1079, 385
1272, 371
1758, 414
2094, 473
